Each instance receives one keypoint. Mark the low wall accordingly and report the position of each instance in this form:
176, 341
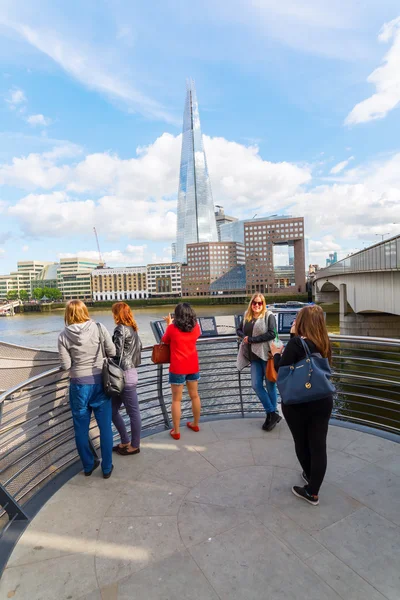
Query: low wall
370, 325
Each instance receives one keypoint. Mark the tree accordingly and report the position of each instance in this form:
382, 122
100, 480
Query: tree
23, 295
12, 295
56, 294
38, 293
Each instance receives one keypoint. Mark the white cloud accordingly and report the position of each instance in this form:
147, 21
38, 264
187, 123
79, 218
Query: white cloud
341, 166
2, 252
38, 120
133, 255
25, 248
15, 98
386, 80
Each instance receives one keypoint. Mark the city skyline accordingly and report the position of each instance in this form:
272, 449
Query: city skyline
299, 115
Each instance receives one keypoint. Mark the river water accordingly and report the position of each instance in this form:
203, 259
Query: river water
40, 330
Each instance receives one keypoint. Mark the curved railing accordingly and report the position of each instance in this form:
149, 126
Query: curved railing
36, 430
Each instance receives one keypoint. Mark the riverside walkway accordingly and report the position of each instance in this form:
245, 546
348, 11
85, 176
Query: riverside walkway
212, 517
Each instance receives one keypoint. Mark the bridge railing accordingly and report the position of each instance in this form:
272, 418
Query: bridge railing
36, 430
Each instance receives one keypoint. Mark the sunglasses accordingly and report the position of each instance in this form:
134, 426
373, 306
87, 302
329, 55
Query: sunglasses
257, 303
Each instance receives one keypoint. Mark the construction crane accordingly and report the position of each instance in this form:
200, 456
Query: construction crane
101, 262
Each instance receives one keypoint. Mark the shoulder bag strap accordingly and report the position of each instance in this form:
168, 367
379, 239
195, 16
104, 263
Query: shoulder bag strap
101, 340
306, 348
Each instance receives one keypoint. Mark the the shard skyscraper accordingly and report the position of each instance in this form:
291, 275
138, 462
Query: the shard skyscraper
196, 217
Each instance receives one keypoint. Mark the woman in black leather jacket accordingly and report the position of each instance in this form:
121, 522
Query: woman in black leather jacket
128, 350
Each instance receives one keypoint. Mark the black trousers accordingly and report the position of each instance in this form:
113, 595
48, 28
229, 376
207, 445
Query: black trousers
308, 423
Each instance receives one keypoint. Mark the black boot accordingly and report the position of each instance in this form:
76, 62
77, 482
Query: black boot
274, 420
266, 422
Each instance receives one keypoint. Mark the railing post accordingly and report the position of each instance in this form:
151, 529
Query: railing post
240, 388
11, 506
160, 394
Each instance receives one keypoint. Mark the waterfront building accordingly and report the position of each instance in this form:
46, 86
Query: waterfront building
121, 283
233, 283
332, 259
261, 236
47, 277
74, 278
232, 232
223, 219
207, 262
23, 278
164, 280
195, 215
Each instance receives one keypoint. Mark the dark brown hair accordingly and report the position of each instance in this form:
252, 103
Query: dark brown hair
310, 324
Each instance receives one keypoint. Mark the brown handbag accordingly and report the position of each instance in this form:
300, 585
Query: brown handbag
270, 372
161, 354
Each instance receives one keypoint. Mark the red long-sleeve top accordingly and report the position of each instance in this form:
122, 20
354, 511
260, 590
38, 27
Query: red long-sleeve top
184, 357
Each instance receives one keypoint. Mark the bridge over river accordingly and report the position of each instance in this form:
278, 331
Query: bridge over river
211, 516
367, 287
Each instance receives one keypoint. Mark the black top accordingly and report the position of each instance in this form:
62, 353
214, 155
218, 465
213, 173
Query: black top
132, 347
293, 353
246, 329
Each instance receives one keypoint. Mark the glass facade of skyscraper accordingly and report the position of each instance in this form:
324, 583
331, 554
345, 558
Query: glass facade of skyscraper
195, 218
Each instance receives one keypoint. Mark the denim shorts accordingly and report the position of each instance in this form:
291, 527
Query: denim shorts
180, 379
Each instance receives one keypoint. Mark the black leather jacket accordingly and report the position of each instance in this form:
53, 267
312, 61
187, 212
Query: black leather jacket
132, 347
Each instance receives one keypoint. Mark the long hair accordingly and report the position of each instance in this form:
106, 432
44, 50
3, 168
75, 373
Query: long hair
76, 312
185, 317
310, 324
123, 315
249, 312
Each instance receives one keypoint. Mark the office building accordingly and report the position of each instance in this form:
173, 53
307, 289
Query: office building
233, 283
74, 278
332, 259
207, 262
122, 283
23, 278
261, 236
195, 216
164, 280
223, 219
232, 232
47, 277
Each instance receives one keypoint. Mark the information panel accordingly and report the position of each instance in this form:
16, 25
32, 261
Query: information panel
285, 321
208, 326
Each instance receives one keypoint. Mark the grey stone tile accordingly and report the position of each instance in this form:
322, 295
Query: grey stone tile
199, 522
340, 437
249, 562
229, 454
245, 487
128, 544
68, 523
334, 503
185, 467
64, 578
288, 531
372, 448
370, 545
148, 496
274, 452
391, 463
377, 488
96, 595
341, 464
236, 429
341, 578
176, 577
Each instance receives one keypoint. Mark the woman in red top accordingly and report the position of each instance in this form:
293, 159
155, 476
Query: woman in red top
181, 335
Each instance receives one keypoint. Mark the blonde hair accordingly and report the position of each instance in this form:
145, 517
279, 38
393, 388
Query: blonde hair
76, 312
249, 312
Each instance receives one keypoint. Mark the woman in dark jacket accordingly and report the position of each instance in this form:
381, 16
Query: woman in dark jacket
128, 350
308, 422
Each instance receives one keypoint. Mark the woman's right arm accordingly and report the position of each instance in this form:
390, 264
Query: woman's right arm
166, 338
240, 329
291, 354
65, 357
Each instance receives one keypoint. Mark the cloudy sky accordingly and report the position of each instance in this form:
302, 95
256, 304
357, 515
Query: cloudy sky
299, 107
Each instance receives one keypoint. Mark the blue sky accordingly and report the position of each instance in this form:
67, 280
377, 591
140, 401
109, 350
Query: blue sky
298, 104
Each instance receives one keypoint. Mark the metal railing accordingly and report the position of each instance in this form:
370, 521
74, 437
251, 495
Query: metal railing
36, 431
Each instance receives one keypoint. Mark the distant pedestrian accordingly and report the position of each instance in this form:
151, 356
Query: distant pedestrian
80, 354
257, 330
181, 335
128, 356
308, 421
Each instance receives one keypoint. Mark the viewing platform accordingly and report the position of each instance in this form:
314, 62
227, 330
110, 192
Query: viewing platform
212, 517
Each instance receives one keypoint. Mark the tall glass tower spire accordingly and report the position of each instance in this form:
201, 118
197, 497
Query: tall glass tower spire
196, 217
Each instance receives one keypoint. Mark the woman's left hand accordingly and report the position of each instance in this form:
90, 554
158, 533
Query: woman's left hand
168, 319
275, 349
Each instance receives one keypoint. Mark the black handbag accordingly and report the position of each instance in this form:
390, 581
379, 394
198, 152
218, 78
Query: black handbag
113, 375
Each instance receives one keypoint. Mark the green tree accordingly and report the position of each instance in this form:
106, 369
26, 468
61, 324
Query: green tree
12, 295
23, 295
38, 293
56, 294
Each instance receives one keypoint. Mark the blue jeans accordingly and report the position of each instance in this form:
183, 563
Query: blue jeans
83, 400
268, 397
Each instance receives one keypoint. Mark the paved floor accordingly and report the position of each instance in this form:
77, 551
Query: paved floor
212, 517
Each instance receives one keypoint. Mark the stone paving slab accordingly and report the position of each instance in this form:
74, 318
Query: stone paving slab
212, 516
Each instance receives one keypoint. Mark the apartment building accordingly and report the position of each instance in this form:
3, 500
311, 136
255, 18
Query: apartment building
122, 283
207, 262
23, 278
164, 279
